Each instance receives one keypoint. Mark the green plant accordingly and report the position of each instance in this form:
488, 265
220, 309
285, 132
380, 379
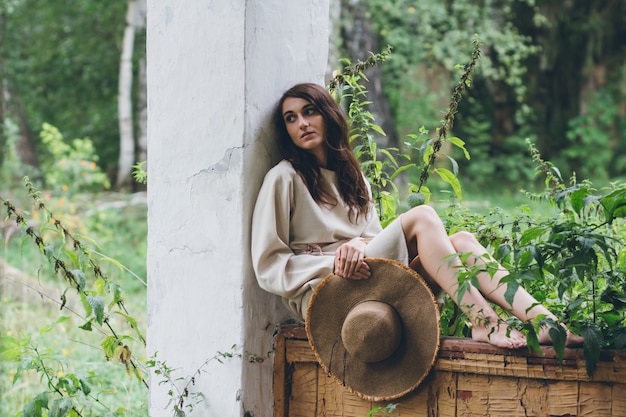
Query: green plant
385, 411
72, 168
383, 165
183, 398
139, 172
103, 310
572, 260
379, 171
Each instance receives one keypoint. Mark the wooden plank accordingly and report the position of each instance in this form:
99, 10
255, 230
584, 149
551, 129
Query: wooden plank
618, 397
594, 399
292, 331
503, 394
442, 392
472, 395
299, 351
516, 366
354, 405
303, 398
279, 377
533, 397
330, 398
562, 398
415, 403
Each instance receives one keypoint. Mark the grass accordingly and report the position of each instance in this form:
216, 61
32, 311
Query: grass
114, 225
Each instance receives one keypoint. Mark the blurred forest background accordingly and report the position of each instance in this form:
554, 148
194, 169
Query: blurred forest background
552, 71
73, 107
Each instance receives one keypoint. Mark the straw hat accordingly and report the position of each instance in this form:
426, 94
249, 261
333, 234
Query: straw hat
379, 336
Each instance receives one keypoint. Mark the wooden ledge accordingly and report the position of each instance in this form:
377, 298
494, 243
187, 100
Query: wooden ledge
468, 378
464, 355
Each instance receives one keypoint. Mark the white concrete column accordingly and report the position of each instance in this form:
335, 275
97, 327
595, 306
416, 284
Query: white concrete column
215, 72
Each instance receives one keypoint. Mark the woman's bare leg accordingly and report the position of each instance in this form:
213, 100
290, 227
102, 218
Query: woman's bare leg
525, 307
425, 234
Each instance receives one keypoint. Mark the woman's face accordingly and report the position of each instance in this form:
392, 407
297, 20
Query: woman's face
306, 127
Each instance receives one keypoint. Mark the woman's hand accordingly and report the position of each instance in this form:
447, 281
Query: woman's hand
349, 260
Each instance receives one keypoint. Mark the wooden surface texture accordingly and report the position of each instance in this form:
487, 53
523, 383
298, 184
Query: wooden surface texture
468, 379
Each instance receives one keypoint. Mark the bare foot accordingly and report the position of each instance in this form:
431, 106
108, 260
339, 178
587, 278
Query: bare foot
497, 336
572, 340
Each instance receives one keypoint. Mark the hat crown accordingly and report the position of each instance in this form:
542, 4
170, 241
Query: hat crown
371, 331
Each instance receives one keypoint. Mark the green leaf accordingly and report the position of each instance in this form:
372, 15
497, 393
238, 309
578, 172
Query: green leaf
89, 238
449, 177
97, 305
60, 407
511, 289
502, 251
71, 256
390, 156
460, 144
455, 165
559, 336
87, 326
400, 170
109, 345
84, 386
130, 319
387, 204
113, 261
532, 233
577, 199
591, 348
614, 205
377, 129
117, 293
100, 284
373, 411
86, 305
427, 153
49, 327
33, 407
79, 276
531, 338
10, 348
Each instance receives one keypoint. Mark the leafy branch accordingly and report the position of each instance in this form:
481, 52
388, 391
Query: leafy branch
447, 124
72, 261
183, 398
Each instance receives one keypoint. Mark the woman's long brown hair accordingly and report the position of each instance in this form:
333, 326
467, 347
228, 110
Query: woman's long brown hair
341, 159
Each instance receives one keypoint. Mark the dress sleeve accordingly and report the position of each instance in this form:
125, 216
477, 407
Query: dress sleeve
373, 226
278, 269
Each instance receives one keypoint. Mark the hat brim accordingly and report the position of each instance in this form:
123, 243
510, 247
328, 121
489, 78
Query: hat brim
407, 292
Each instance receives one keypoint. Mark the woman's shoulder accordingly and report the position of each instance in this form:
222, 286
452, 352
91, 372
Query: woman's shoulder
282, 170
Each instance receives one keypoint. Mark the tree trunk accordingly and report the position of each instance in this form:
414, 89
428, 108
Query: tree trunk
25, 144
359, 40
125, 103
142, 96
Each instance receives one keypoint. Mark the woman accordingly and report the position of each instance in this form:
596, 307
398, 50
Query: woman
314, 216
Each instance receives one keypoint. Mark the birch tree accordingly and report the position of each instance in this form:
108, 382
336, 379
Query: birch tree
142, 95
125, 101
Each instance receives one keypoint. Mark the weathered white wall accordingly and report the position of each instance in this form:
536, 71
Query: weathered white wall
215, 72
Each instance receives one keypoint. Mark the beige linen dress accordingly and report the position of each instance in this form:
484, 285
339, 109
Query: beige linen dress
294, 239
